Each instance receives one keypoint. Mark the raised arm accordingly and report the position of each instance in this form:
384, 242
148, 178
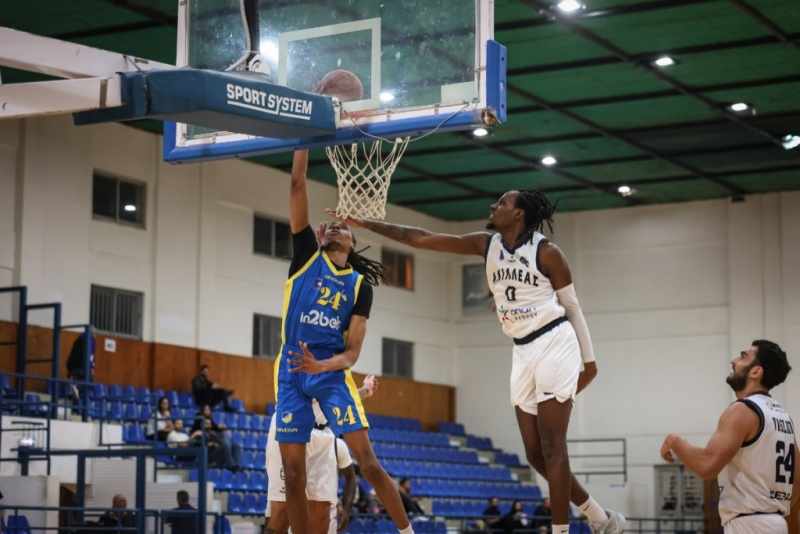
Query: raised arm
467, 244
298, 195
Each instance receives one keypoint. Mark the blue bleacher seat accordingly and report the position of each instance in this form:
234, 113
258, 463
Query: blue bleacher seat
261, 442
262, 503
186, 400
226, 481
249, 442
258, 481
237, 438
114, 392
237, 405
218, 417
98, 391
143, 395
245, 422
214, 476
235, 503
5, 383
18, 524
357, 526
241, 481
270, 408
34, 406
248, 460
174, 399
132, 433
114, 411
130, 394
250, 504
384, 525
130, 413
579, 527
156, 394
231, 421
261, 461
222, 525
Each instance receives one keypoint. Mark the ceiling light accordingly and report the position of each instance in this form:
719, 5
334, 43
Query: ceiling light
664, 61
480, 132
130, 207
387, 97
739, 107
626, 190
568, 6
790, 141
549, 160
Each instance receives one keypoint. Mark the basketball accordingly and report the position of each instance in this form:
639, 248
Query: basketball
342, 84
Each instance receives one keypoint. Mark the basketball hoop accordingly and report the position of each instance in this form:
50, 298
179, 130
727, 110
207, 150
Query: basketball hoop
364, 185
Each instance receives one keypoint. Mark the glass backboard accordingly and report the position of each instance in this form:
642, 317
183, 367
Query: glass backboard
424, 65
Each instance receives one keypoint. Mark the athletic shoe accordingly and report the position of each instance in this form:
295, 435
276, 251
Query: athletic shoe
615, 524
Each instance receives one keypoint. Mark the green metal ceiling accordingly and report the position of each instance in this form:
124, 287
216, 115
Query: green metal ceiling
581, 87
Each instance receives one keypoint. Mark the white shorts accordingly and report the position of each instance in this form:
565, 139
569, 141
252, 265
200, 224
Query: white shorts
546, 368
322, 472
757, 524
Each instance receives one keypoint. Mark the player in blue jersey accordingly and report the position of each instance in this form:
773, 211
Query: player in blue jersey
327, 301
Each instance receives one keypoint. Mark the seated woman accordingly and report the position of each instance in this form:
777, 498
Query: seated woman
159, 424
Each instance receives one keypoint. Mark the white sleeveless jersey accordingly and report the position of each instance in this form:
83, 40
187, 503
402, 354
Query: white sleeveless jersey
759, 478
524, 297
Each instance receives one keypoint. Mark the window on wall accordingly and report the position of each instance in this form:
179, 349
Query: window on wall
266, 336
117, 312
400, 268
398, 358
118, 200
272, 238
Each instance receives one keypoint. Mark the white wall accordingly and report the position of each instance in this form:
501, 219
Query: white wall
670, 292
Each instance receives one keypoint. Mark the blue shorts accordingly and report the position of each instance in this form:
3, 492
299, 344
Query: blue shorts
335, 391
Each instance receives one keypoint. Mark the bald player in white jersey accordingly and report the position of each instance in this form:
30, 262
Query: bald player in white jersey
531, 283
326, 456
753, 451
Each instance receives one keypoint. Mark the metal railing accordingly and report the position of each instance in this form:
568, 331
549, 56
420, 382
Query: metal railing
621, 457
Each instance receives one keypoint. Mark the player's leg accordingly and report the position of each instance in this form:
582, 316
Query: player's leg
294, 473
319, 516
278, 520
529, 430
553, 421
373, 472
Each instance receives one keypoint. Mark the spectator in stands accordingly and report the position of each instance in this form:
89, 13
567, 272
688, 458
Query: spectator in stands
178, 438
75, 362
542, 516
207, 392
183, 518
411, 504
205, 414
516, 519
493, 517
220, 452
119, 516
159, 424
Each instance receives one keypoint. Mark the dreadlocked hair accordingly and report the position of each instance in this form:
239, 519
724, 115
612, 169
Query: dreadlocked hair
538, 210
374, 272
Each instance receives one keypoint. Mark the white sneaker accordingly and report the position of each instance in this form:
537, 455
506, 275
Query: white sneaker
615, 524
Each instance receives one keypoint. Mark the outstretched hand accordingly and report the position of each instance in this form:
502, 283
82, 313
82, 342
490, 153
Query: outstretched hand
350, 221
305, 362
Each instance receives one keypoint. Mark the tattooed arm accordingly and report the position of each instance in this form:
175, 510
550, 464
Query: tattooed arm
467, 244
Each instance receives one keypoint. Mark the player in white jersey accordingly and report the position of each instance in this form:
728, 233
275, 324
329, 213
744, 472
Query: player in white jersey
531, 282
753, 450
326, 457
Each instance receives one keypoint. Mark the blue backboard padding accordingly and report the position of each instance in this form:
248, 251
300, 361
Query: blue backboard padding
496, 79
262, 146
223, 101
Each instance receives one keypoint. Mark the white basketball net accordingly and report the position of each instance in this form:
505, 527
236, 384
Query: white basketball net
363, 185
